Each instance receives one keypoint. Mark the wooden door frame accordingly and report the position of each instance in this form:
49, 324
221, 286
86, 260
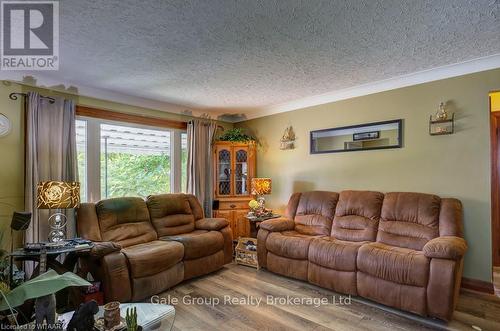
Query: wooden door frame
495, 184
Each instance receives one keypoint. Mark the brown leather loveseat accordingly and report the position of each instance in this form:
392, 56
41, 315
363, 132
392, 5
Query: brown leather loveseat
403, 250
145, 247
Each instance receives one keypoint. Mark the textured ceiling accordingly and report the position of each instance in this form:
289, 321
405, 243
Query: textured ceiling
237, 56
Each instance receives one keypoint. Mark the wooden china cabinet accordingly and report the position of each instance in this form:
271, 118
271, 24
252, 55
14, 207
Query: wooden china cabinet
234, 168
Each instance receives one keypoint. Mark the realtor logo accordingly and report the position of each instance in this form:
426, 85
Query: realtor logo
29, 35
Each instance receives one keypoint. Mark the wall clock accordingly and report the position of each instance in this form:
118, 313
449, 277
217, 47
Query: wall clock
5, 125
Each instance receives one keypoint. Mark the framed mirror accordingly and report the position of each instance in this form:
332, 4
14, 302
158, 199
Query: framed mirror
379, 135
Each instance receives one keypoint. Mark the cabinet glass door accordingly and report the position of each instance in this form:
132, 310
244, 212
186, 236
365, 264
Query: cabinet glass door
241, 172
224, 171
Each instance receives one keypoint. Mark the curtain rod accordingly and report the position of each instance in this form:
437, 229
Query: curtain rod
205, 123
14, 95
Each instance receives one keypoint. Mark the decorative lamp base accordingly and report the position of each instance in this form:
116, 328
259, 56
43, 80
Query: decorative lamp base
57, 223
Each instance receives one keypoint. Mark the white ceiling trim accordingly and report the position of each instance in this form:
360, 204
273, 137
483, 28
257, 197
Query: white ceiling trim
44, 81
448, 71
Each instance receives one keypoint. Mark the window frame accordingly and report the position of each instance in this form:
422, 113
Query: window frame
93, 152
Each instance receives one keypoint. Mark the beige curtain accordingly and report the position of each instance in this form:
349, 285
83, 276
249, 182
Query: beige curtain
50, 155
200, 135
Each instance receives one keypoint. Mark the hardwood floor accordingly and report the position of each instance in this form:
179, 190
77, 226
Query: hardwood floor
243, 283
496, 280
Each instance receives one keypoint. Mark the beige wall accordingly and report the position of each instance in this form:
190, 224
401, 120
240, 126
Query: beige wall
12, 146
455, 165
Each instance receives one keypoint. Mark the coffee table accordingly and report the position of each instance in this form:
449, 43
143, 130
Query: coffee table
149, 315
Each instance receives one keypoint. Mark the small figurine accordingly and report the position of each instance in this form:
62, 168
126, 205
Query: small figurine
441, 114
83, 318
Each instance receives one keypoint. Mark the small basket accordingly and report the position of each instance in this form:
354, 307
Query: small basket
247, 256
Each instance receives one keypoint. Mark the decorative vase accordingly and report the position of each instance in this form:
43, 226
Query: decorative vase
111, 314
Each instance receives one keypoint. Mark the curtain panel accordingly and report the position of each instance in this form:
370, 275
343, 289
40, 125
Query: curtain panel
50, 155
200, 136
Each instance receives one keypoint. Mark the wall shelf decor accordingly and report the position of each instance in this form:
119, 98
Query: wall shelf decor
287, 141
438, 127
441, 124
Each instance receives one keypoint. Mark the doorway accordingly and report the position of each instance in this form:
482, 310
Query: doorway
494, 98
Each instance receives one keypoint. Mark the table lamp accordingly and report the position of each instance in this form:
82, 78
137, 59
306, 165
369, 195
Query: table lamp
58, 195
260, 187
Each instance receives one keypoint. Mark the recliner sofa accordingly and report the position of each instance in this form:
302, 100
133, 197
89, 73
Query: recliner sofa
145, 247
404, 250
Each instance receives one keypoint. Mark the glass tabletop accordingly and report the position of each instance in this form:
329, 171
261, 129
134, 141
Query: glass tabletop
262, 218
54, 251
150, 316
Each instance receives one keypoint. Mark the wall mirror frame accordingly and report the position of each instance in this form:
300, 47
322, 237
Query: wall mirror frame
361, 137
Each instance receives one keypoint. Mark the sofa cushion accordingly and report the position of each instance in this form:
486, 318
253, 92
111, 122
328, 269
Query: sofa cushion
211, 224
198, 243
153, 257
195, 205
395, 264
357, 215
125, 221
409, 219
290, 244
334, 254
171, 214
315, 212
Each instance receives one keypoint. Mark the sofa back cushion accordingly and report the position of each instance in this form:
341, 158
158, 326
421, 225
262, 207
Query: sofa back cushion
195, 205
315, 211
357, 216
171, 214
125, 221
409, 220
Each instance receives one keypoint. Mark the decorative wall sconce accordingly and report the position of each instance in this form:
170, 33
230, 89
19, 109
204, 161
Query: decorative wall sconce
441, 124
287, 141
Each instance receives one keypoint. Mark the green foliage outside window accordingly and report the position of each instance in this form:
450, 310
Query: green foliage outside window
82, 175
135, 175
184, 155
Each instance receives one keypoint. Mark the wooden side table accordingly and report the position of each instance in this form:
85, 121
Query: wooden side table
255, 221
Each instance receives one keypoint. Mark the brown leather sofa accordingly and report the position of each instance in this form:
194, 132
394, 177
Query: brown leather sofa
145, 247
404, 250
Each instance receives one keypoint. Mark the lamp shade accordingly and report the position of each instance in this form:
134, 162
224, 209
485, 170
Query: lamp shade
58, 195
261, 186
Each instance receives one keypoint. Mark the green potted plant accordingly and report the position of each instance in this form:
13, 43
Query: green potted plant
235, 135
41, 288
17, 275
131, 319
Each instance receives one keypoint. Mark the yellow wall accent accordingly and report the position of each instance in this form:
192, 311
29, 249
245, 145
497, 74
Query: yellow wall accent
495, 101
12, 146
455, 165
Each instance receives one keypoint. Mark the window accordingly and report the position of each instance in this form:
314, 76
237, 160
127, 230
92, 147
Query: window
117, 159
134, 161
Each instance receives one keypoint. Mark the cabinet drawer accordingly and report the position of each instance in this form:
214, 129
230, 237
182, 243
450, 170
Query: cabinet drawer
233, 205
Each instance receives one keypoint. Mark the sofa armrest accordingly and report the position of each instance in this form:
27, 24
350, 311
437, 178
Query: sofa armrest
277, 224
446, 247
211, 224
102, 248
